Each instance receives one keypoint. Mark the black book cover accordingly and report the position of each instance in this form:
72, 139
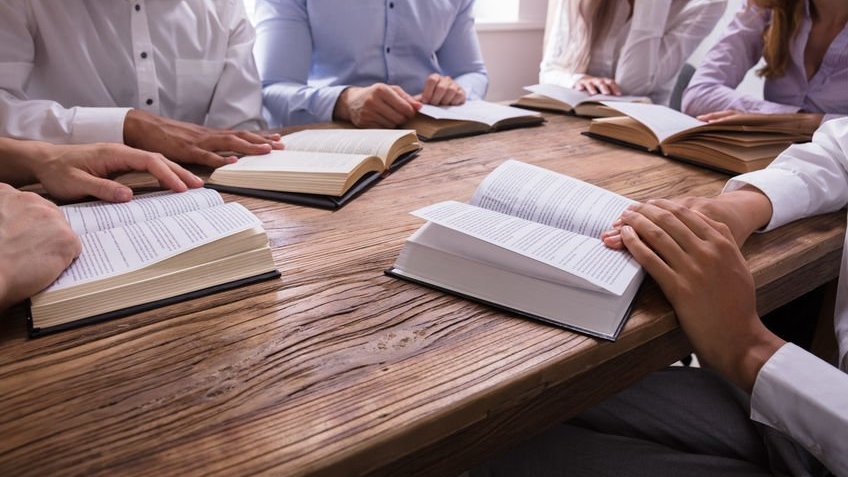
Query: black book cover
36, 332
319, 201
390, 272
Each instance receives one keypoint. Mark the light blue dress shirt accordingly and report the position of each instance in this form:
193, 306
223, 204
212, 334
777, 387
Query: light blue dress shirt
309, 51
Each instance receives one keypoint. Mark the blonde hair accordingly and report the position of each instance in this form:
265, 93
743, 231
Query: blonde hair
588, 22
786, 18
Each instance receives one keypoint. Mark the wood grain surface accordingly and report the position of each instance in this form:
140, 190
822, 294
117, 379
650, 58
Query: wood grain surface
338, 370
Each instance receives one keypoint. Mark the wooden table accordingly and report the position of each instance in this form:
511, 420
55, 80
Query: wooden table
337, 369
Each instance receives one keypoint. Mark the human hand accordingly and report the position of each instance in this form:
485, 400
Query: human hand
596, 85
441, 91
36, 244
743, 211
192, 144
698, 266
75, 172
377, 106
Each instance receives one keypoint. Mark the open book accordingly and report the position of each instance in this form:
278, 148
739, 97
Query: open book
529, 243
158, 249
320, 167
551, 97
738, 145
473, 117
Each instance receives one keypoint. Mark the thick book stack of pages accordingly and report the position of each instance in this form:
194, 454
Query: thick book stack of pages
742, 144
321, 168
160, 248
550, 97
529, 243
473, 117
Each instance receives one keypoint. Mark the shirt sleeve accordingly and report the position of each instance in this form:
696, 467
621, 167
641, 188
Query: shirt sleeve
655, 50
460, 57
807, 399
807, 179
237, 102
24, 118
284, 57
713, 87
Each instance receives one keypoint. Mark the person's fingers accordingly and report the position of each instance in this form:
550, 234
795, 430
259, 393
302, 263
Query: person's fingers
415, 103
715, 116
429, 86
104, 189
691, 218
186, 176
450, 94
616, 90
671, 224
393, 106
197, 155
234, 143
440, 91
612, 239
153, 163
653, 264
603, 87
590, 87
656, 237
460, 96
580, 86
716, 227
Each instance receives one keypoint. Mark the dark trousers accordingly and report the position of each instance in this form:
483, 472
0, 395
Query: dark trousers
676, 422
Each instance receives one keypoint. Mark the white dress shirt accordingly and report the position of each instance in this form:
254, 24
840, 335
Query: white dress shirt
795, 392
642, 52
71, 69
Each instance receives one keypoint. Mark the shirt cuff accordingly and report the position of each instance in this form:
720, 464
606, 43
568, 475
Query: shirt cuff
792, 393
324, 102
787, 192
92, 125
831, 117
650, 16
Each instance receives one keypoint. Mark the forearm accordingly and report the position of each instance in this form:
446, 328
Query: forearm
293, 104
20, 161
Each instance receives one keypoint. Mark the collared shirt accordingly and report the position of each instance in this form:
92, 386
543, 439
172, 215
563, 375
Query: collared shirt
308, 52
795, 392
71, 69
713, 88
643, 52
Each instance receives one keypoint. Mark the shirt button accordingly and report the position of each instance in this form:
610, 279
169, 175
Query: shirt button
143, 54
137, 7
149, 102
388, 49
391, 4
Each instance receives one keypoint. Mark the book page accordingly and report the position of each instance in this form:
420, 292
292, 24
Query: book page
297, 161
93, 216
663, 121
111, 252
574, 97
478, 111
585, 257
369, 142
539, 195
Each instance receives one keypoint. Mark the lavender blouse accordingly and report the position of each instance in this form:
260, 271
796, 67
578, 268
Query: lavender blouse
713, 86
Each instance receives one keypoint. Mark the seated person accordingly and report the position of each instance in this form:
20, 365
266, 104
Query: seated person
769, 407
369, 62
169, 77
36, 242
802, 43
634, 47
